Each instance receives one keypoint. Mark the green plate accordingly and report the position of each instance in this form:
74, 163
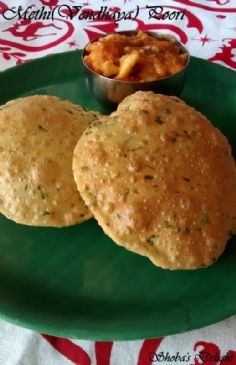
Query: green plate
75, 282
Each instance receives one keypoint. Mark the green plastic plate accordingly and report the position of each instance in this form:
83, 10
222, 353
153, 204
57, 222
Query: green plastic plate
75, 282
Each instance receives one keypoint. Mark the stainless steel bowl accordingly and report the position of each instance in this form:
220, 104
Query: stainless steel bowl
110, 92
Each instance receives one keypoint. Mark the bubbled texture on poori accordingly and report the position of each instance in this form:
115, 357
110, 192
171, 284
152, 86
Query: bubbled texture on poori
160, 180
37, 138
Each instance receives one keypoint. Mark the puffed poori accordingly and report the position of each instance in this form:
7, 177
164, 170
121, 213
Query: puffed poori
37, 138
160, 180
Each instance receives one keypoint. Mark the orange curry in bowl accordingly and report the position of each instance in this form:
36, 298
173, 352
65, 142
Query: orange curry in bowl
139, 57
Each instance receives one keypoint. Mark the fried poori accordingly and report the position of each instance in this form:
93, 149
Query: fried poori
160, 180
37, 138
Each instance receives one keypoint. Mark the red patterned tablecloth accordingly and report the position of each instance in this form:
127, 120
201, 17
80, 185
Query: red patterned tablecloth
208, 28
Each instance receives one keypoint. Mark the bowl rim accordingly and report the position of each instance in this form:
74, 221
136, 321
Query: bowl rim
153, 33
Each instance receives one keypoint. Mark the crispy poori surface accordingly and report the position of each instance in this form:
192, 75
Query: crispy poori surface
37, 138
160, 180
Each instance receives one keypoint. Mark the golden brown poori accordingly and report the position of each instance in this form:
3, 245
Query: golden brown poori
37, 138
160, 180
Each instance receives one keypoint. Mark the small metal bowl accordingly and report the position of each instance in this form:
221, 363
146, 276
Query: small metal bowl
110, 92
